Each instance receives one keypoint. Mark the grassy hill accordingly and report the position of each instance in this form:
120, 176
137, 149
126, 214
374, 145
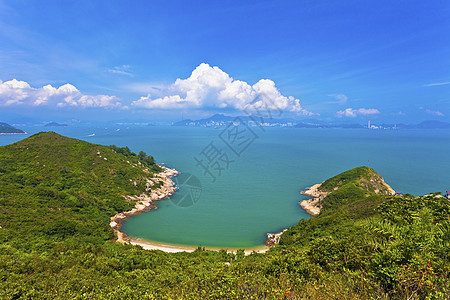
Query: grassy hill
358, 184
56, 187
57, 194
351, 195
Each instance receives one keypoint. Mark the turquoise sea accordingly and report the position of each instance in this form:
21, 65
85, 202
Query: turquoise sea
259, 174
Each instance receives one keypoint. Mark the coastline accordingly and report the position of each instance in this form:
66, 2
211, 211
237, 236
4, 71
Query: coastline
274, 238
390, 189
313, 206
146, 203
175, 248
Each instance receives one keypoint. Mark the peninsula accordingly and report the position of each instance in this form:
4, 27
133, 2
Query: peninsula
356, 183
8, 129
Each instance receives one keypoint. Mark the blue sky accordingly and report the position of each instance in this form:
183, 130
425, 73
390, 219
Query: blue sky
388, 61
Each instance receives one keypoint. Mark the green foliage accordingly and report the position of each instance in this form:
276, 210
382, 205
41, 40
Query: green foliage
352, 186
56, 187
353, 175
147, 161
391, 242
57, 195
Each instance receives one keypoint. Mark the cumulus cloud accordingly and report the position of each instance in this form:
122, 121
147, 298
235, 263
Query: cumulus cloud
350, 112
434, 112
210, 87
15, 92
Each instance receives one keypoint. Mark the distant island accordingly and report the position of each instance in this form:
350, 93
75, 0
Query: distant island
8, 129
54, 124
221, 120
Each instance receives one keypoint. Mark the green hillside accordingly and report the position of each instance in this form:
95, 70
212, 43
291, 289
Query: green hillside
353, 185
57, 195
56, 187
351, 195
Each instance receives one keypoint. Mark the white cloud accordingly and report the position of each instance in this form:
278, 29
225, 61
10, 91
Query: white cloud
434, 112
13, 92
122, 70
210, 87
340, 98
16, 92
400, 113
350, 112
437, 83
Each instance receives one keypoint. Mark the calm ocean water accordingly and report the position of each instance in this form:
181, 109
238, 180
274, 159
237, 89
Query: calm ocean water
261, 174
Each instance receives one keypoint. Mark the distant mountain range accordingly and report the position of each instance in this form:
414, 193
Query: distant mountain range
8, 129
433, 125
220, 120
54, 124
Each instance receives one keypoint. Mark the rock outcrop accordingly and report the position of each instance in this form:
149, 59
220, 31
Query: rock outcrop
313, 206
274, 238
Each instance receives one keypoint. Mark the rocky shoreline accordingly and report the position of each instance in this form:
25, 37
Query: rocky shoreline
145, 202
274, 238
313, 206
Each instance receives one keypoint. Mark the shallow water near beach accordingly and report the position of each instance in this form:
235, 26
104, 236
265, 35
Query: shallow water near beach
257, 190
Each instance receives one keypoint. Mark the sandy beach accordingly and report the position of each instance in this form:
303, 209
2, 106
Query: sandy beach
150, 245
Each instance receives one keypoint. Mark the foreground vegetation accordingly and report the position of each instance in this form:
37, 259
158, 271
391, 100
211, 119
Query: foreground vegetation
57, 195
